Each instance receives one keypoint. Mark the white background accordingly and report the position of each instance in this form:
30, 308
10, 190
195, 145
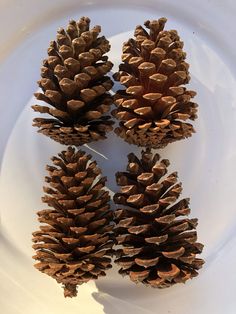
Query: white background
206, 162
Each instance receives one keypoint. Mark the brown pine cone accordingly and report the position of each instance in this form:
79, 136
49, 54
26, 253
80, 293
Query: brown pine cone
157, 246
75, 86
75, 241
155, 104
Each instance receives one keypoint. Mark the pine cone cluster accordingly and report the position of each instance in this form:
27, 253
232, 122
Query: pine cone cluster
157, 242
74, 242
75, 87
154, 106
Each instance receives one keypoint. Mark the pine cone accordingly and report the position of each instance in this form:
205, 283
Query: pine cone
158, 248
153, 107
75, 241
75, 86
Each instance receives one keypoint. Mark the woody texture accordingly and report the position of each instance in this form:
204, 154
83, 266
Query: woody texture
75, 86
155, 107
157, 243
74, 242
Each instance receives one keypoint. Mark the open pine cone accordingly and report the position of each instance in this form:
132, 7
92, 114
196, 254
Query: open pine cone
75, 241
155, 104
157, 246
75, 86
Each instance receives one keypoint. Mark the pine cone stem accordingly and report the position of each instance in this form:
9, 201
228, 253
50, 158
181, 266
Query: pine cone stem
70, 290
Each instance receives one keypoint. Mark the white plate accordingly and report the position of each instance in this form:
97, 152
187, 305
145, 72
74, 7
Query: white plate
206, 162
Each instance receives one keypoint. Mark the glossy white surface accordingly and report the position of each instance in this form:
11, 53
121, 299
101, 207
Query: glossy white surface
206, 162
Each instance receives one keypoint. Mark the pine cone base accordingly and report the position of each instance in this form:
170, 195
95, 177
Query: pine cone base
157, 243
150, 139
71, 136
